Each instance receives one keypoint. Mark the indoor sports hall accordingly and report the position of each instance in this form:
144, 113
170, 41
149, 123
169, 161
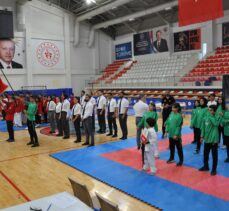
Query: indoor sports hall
114, 105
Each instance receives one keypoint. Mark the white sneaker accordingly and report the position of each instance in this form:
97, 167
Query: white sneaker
26, 128
223, 147
145, 168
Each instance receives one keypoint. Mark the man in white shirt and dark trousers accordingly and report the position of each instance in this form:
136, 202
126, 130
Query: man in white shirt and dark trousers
51, 107
111, 115
101, 105
140, 108
123, 105
93, 101
87, 113
64, 116
76, 118
58, 116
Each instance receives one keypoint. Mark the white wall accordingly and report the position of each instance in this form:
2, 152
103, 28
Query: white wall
47, 22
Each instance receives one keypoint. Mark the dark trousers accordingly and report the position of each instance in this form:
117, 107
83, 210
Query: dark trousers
178, 144
123, 125
38, 119
59, 124
89, 132
3, 114
143, 153
101, 120
93, 120
45, 117
65, 124
197, 134
32, 131
10, 129
226, 139
139, 131
112, 123
77, 128
214, 149
221, 132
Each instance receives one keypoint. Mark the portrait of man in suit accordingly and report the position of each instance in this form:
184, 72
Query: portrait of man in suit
7, 51
160, 45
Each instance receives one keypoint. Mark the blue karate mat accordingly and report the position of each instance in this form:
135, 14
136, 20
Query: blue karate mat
153, 190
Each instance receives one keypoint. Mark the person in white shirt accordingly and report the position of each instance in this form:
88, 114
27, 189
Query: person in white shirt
93, 101
123, 105
86, 115
64, 116
112, 111
139, 108
101, 110
51, 108
212, 100
150, 146
76, 118
58, 117
82, 97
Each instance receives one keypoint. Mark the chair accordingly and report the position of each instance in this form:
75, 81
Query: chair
106, 205
81, 192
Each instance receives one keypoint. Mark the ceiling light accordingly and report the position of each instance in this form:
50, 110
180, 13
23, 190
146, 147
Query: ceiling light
168, 8
90, 1
131, 19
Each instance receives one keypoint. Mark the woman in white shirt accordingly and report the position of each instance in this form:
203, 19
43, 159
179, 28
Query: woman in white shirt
58, 117
76, 118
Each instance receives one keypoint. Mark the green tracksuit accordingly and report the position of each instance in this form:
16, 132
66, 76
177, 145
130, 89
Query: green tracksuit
195, 116
174, 125
147, 115
209, 129
31, 111
219, 110
225, 123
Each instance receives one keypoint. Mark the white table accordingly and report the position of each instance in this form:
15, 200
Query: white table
59, 202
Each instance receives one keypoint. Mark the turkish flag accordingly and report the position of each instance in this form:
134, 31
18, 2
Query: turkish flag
197, 11
3, 86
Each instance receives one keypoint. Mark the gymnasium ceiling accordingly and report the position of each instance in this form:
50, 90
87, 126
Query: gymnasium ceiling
80, 7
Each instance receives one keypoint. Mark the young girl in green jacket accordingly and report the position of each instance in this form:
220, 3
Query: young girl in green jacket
173, 126
210, 136
225, 123
219, 113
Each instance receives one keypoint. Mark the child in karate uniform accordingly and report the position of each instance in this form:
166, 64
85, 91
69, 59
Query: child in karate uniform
151, 146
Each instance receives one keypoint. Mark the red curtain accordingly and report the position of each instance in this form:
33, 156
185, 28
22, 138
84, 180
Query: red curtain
3, 86
197, 11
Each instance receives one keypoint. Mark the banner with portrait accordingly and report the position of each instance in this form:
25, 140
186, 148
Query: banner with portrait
187, 40
225, 33
47, 54
12, 53
123, 51
155, 41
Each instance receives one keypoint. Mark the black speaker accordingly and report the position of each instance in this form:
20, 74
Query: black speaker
6, 24
226, 89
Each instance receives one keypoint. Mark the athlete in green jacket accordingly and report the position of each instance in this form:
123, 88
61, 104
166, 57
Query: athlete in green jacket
225, 123
173, 126
219, 113
210, 135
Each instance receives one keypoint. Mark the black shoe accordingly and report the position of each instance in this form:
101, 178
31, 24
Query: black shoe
227, 160
51, 132
163, 136
213, 172
204, 168
170, 161
35, 145
103, 132
121, 137
180, 164
59, 135
139, 147
76, 141
99, 131
30, 143
196, 151
66, 137
11, 140
109, 134
124, 138
193, 142
90, 145
114, 136
84, 144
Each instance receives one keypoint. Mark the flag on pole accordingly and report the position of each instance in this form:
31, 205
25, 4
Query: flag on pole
3, 86
197, 11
